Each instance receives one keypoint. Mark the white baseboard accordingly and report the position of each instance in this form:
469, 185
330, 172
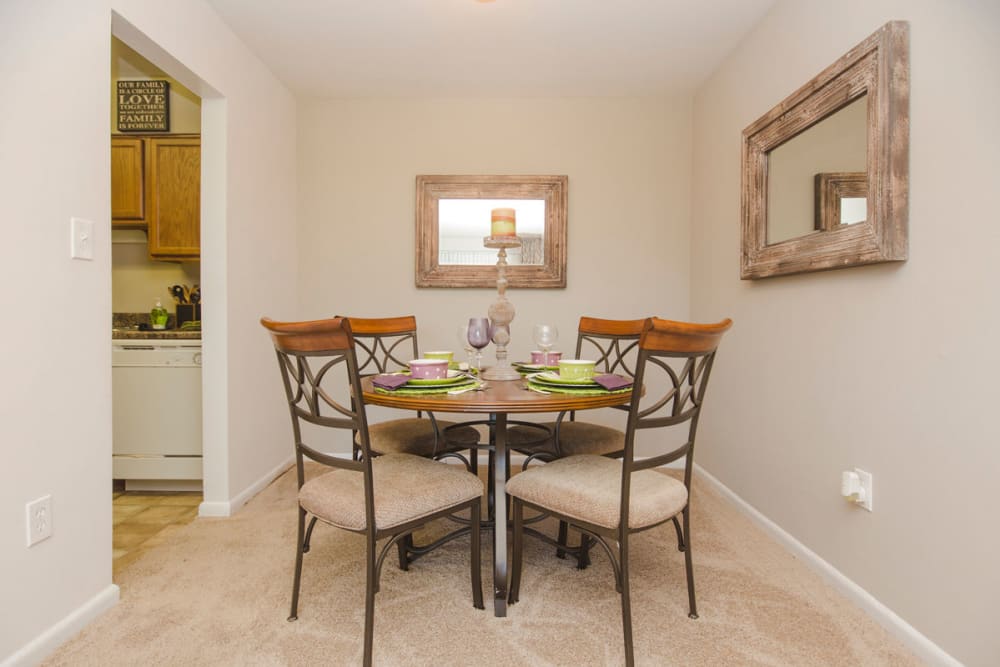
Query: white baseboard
923, 647
42, 646
228, 507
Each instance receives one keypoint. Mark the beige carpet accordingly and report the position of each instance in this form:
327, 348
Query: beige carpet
216, 592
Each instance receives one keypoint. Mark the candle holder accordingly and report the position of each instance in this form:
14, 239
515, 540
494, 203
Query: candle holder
502, 310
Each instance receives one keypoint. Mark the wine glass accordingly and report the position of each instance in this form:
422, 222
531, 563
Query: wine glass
462, 336
478, 335
545, 336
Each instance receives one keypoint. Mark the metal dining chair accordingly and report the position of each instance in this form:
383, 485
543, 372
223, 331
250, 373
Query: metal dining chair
613, 346
387, 496
386, 345
609, 499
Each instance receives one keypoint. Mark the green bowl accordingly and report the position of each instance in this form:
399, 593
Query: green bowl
576, 369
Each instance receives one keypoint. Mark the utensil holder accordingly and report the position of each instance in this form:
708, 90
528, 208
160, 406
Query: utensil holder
187, 312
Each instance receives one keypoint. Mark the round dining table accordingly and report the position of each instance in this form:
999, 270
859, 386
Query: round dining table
498, 399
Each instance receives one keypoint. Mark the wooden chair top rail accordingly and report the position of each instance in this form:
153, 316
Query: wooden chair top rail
669, 336
383, 326
595, 326
315, 336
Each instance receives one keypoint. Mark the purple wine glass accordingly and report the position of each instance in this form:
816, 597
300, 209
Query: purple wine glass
479, 337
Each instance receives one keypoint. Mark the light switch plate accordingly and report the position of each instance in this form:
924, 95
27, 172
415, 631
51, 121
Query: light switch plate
81, 238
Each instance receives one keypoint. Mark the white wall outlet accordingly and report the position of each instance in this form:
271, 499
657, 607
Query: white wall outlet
866, 487
39, 519
856, 486
81, 238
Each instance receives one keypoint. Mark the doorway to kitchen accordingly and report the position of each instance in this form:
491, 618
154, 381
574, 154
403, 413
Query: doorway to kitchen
157, 482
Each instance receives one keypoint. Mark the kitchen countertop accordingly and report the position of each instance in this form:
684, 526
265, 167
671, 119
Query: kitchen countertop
163, 334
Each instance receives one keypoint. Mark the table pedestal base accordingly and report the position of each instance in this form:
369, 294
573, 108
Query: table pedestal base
500, 516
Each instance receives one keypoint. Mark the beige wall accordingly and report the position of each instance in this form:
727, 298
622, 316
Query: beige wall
137, 281
628, 162
56, 414
890, 368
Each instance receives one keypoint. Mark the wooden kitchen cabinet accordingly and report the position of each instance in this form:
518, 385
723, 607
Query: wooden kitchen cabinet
173, 177
128, 183
156, 186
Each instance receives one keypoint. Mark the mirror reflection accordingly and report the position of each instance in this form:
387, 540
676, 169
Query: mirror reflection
841, 199
837, 145
454, 216
463, 223
853, 210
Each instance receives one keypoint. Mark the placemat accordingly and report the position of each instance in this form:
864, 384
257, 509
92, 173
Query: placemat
578, 391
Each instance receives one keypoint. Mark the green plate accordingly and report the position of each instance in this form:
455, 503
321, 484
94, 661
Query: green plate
454, 377
591, 390
548, 377
525, 367
407, 390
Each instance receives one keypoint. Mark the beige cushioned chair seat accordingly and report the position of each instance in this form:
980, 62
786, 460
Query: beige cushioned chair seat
574, 438
588, 488
416, 436
407, 487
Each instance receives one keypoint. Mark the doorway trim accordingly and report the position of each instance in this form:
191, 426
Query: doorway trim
215, 370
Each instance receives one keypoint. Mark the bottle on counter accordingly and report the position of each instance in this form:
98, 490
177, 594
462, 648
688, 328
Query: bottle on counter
158, 316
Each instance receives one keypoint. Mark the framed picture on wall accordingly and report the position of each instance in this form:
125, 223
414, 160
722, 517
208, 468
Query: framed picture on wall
143, 105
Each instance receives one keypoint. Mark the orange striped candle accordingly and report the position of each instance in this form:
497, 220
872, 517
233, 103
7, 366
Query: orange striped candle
503, 222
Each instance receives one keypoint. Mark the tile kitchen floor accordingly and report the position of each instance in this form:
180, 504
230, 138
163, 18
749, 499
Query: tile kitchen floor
144, 519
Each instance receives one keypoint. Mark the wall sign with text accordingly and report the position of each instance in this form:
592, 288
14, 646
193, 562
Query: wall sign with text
143, 106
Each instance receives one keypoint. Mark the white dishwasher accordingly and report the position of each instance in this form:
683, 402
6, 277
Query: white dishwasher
156, 403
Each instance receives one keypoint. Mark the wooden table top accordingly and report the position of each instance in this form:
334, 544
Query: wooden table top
506, 396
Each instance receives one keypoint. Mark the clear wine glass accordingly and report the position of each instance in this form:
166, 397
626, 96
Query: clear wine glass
545, 336
462, 336
478, 335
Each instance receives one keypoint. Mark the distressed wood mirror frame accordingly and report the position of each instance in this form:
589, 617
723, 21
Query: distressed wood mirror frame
430, 189
879, 68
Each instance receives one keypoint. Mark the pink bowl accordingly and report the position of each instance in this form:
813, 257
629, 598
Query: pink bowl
429, 369
546, 358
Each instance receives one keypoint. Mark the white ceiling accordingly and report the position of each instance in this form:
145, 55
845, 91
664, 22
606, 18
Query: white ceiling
505, 48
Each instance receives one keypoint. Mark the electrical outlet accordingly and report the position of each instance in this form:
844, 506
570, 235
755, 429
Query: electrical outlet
39, 519
865, 499
856, 486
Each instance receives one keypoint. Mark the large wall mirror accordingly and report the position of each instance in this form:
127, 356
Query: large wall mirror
453, 218
825, 172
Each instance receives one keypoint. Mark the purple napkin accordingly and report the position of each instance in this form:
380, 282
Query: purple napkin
612, 382
390, 381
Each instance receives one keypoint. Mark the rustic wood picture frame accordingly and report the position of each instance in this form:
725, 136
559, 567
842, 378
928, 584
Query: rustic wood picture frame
879, 68
430, 189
